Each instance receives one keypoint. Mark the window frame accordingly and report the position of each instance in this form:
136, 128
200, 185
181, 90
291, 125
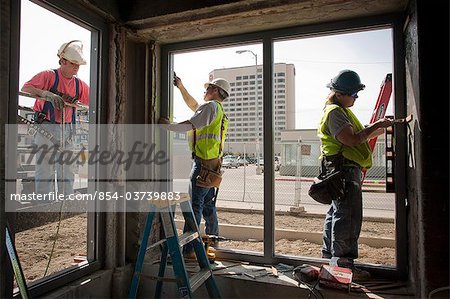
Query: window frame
267, 38
99, 56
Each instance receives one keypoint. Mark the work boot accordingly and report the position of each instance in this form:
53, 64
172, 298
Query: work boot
215, 244
360, 275
211, 254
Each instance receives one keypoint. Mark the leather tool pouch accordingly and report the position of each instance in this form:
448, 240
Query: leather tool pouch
330, 184
210, 174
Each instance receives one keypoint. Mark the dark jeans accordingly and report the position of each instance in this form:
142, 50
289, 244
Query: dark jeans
343, 222
203, 204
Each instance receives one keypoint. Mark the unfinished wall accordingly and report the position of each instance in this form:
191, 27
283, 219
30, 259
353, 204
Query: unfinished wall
428, 154
140, 109
133, 100
140, 9
176, 21
412, 90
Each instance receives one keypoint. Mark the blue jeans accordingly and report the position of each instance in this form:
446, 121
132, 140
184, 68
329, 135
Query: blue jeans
47, 163
203, 204
343, 222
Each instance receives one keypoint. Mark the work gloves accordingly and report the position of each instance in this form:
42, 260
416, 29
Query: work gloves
56, 100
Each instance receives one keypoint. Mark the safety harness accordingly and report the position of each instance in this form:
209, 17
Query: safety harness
48, 107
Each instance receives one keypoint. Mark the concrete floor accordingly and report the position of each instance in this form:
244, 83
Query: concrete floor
239, 285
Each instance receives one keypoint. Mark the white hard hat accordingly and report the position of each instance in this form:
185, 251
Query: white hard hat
221, 83
72, 51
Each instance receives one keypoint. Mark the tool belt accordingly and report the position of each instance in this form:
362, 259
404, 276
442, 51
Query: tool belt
34, 128
330, 184
210, 174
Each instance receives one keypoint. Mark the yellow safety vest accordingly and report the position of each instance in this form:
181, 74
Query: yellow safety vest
208, 142
361, 154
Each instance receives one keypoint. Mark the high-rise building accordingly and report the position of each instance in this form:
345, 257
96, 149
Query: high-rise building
245, 112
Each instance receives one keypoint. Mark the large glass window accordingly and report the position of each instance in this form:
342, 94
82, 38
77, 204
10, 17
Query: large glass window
301, 68
240, 198
310, 64
52, 237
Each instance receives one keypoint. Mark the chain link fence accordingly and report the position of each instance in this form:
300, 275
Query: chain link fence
297, 164
241, 202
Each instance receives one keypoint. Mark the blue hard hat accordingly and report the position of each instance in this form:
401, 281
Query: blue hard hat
347, 82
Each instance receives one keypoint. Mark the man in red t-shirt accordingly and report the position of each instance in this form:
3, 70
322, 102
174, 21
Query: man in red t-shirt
54, 89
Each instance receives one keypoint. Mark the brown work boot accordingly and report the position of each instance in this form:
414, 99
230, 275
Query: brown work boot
360, 275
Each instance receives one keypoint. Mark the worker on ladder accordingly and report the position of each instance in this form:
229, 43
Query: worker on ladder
53, 88
206, 129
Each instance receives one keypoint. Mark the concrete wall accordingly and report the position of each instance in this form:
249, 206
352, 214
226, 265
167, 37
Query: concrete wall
428, 195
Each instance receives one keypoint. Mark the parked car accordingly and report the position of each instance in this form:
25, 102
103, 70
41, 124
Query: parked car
251, 160
276, 162
230, 162
243, 161
261, 162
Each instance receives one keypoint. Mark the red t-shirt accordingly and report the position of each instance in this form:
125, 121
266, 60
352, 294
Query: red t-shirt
45, 80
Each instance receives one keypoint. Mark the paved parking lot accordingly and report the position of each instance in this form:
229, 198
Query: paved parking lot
242, 188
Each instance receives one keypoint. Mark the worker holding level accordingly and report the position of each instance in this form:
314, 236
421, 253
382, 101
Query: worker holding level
54, 89
206, 129
344, 146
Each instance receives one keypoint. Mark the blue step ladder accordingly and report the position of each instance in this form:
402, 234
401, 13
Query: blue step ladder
172, 245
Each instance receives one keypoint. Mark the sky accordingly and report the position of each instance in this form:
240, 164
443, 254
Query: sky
316, 60
41, 35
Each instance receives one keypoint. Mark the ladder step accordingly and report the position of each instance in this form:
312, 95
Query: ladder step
187, 237
171, 248
199, 278
162, 241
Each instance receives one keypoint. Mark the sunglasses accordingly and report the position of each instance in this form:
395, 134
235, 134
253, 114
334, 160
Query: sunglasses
353, 95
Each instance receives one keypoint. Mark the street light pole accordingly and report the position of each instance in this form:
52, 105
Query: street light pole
258, 168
